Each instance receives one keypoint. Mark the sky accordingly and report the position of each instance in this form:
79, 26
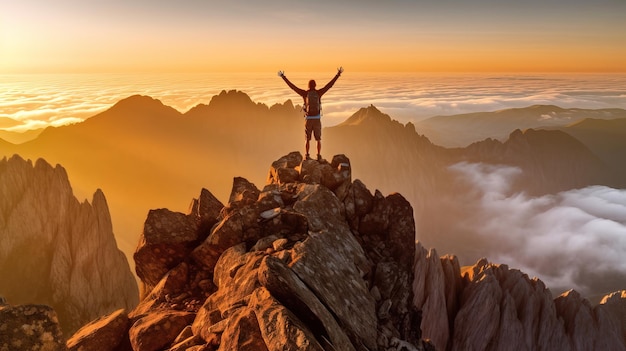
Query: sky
122, 36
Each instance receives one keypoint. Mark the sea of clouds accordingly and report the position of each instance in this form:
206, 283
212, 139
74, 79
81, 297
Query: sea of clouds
36, 101
575, 239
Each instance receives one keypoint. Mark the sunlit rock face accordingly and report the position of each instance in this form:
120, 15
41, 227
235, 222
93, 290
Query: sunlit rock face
57, 251
493, 307
313, 261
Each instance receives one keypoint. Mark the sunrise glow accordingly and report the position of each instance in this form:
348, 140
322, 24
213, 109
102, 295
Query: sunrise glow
418, 36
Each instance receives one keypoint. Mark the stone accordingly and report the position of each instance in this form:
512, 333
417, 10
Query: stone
158, 330
293, 293
105, 333
278, 327
166, 241
207, 210
30, 327
243, 193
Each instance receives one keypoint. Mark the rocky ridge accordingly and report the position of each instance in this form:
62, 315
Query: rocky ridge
313, 261
57, 251
493, 307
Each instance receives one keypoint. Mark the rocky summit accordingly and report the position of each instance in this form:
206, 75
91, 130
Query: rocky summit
313, 261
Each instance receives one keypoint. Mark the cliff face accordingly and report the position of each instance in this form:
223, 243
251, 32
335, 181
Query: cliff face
313, 261
493, 307
56, 250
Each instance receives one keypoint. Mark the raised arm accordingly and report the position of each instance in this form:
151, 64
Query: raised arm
291, 85
332, 82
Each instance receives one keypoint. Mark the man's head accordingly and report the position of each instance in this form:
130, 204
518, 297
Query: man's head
312, 84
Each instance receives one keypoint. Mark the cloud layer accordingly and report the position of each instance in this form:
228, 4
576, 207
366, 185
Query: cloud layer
42, 100
573, 239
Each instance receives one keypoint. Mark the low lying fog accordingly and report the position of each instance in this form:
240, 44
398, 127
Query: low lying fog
571, 240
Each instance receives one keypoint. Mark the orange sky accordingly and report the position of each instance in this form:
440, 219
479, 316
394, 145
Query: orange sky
69, 36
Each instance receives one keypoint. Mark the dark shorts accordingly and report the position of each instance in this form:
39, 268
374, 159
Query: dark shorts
313, 126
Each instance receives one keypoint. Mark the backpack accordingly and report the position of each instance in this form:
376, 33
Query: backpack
312, 104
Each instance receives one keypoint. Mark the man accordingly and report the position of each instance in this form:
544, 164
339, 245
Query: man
312, 109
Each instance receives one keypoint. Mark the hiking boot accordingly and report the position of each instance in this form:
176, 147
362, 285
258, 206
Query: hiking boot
307, 157
319, 157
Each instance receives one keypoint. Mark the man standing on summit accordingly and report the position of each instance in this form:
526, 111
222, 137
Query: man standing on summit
312, 109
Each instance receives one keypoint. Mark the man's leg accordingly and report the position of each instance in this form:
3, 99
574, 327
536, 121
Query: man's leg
306, 147
308, 130
317, 131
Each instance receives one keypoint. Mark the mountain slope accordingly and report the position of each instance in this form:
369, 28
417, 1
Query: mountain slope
605, 138
142, 152
464, 129
56, 250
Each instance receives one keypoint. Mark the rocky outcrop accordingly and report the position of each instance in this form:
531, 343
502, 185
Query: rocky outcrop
492, 307
29, 327
313, 261
56, 250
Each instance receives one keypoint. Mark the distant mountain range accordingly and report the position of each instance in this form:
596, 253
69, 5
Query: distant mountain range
144, 154
19, 137
464, 129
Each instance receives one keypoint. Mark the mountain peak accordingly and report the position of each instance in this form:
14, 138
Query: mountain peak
367, 116
138, 103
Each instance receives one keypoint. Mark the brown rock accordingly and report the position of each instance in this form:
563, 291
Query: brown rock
243, 193
283, 170
242, 332
165, 242
158, 330
229, 232
206, 209
233, 293
286, 287
30, 327
280, 328
103, 334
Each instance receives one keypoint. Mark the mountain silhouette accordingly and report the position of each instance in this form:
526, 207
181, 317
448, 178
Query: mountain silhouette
605, 138
464, 129
141, 153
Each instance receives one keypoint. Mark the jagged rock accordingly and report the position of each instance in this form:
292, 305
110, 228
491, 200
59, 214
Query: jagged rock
333, 263
615, 304
588, 328
242, 332
292, 292
207, 210
106, 333
279, 327
429, 287
78, 268
497, 308
166, 241
157, 330
283, 170
243, 193
30, 327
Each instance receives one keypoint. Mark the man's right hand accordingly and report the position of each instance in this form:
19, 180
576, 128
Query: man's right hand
281, 73
340, 70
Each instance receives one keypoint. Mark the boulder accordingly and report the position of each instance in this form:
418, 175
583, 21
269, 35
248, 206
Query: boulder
158, 330
30, 327
106, 333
